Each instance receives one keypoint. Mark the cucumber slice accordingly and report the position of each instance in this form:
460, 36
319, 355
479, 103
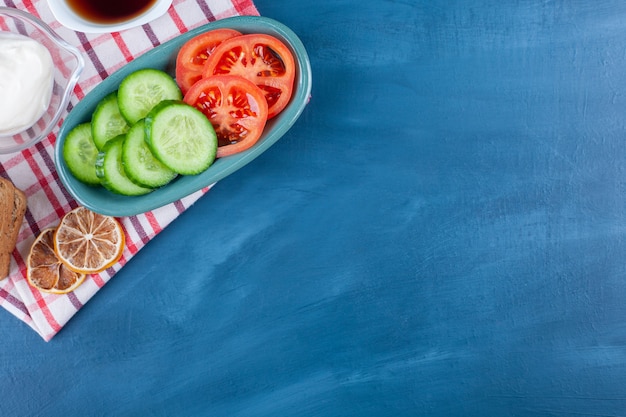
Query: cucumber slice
110, 170
80, 153
141, 90
107, 122
140, 165
181, 137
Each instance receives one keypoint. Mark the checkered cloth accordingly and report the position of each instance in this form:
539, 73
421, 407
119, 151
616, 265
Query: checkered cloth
32, 170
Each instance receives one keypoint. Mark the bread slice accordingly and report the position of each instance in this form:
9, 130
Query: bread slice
6, 204
13, 204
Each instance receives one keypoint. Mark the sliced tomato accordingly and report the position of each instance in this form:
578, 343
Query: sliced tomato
193, 54
262, 59
236, 108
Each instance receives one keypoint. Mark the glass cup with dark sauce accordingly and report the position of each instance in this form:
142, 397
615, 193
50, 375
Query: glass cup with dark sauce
106, 12
101, 16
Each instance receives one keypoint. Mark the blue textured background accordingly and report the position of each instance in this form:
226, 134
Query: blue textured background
442, 233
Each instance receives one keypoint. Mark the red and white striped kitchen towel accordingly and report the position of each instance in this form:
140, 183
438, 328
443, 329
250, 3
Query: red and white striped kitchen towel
33, 171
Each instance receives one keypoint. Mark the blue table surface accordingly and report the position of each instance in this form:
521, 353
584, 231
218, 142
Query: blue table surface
442, 233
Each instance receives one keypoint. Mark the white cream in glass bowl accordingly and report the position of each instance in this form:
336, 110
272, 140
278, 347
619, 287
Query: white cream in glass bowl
38, 73
26, 81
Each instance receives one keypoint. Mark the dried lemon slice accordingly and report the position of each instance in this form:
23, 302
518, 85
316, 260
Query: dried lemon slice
88, 242
44, 269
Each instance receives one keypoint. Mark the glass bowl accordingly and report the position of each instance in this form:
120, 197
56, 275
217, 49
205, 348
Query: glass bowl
68, 65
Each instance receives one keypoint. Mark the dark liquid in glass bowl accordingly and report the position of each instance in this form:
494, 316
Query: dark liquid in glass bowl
109, 11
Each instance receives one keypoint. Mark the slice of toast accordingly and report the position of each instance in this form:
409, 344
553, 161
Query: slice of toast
12, 210
6, 207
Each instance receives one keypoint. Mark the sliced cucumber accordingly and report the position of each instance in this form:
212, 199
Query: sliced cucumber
140, 91
110, 170
80, 153
140, 165
181, 137
107, 122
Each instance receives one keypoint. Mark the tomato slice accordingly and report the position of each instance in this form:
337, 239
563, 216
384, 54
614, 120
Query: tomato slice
262, 59
193, 54
236, 108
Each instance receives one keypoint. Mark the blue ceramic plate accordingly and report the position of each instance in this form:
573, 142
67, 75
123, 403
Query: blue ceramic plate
163, 57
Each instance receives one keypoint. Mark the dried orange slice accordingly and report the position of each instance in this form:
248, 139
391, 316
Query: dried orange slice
88, 242
45, 271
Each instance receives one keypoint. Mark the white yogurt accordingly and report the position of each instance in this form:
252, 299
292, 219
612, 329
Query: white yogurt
26, 79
